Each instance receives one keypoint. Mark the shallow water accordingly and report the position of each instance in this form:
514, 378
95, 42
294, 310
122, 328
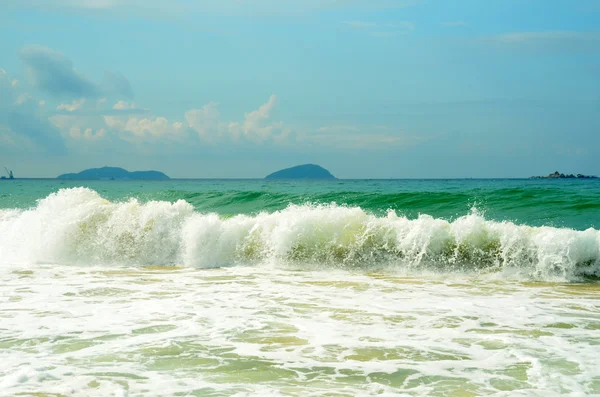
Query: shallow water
262, 331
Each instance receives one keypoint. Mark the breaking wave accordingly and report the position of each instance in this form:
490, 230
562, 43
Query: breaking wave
78, 226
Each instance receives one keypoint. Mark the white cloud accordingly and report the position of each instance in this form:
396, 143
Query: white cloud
155, 127
15, 83
22, 98
255, 121
257, 125
205, 121
122, 105
77, 127
71, 107
122, 108
42, 103
87, 134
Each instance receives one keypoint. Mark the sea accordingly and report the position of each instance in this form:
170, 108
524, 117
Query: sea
273, 288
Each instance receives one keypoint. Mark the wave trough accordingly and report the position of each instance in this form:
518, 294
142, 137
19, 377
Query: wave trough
78, 226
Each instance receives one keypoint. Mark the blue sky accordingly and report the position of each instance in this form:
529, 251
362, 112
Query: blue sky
235, 88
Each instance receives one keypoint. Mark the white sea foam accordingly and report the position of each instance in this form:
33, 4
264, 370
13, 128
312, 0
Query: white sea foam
254, 331
78, 226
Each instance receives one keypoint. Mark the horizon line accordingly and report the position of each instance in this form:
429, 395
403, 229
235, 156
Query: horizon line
294, 180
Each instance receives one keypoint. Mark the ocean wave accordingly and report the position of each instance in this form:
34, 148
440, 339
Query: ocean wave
78, 226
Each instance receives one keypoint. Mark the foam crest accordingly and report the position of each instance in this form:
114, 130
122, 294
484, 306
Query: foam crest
78, 226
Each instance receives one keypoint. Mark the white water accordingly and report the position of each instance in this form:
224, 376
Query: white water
77, 226
244, 331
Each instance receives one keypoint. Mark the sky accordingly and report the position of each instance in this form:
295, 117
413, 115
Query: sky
240, 88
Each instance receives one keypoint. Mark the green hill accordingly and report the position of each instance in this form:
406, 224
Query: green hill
114, 173
306, 171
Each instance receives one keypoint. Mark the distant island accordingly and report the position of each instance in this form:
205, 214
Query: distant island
557, 175
114, 173
306, 171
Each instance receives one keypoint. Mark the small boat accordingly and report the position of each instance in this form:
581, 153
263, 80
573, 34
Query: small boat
10, 174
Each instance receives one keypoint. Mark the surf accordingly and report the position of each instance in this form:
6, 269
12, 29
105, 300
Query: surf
77, 226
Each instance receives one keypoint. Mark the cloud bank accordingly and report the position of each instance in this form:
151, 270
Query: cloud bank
76, 114
21, 125
53, 73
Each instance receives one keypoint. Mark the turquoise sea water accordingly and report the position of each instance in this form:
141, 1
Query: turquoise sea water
342, 288
561, 203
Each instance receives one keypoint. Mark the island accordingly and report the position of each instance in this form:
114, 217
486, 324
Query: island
306, 171
115, 173
557, 175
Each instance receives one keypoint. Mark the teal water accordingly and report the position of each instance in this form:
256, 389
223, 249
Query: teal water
347, 288
560, 203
